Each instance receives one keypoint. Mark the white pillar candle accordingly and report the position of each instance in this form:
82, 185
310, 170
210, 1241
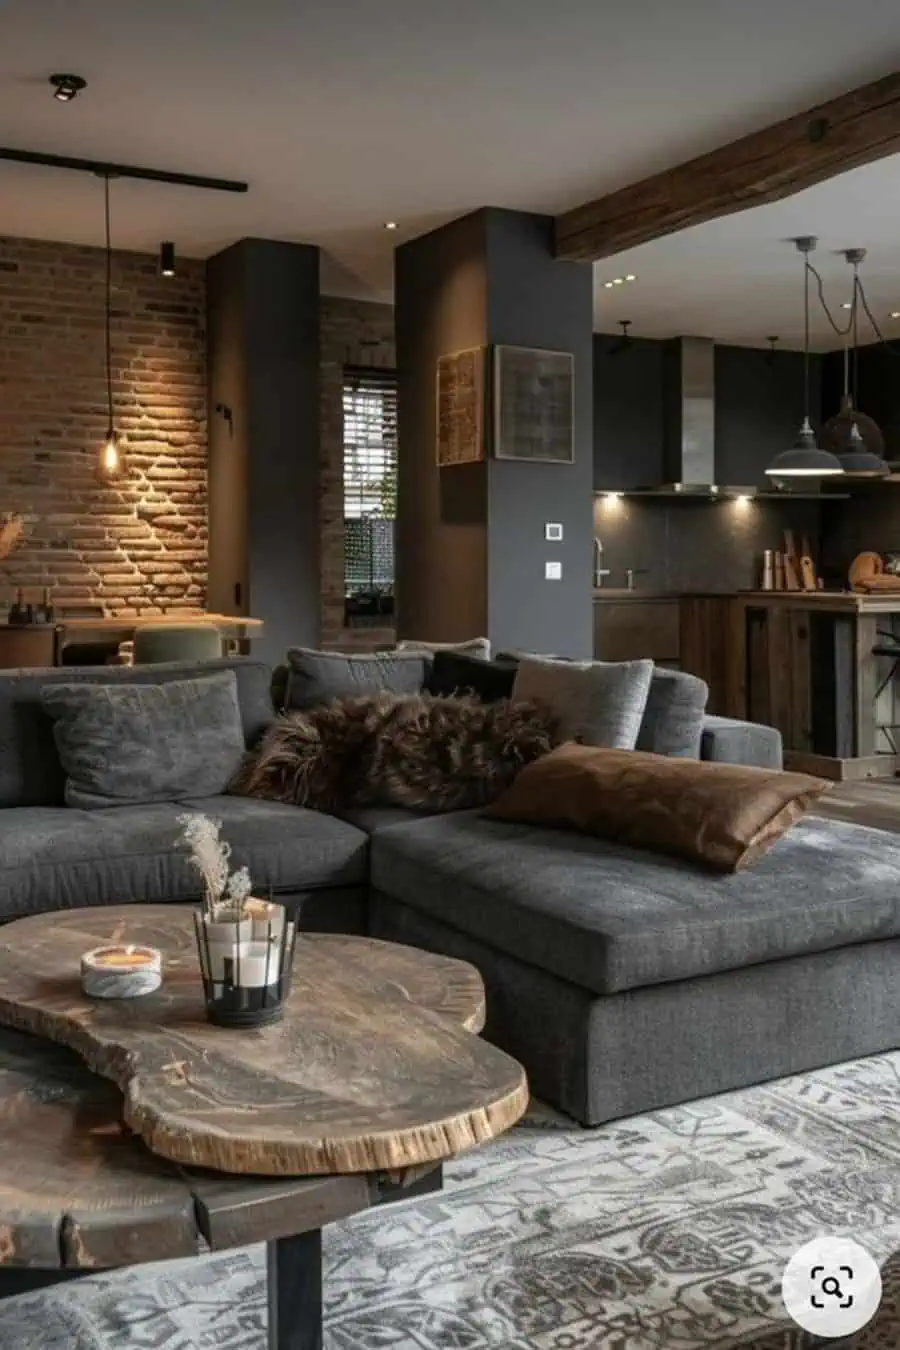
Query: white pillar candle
126, 970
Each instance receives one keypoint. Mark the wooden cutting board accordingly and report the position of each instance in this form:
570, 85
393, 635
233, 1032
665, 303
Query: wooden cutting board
807, 566
791, 563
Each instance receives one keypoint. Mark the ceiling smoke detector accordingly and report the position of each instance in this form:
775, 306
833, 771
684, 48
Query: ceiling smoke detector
67, 87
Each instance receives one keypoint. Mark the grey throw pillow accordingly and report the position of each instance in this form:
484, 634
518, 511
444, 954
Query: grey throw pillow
320, 677
123, 744
479, 647
673, 718
597, 702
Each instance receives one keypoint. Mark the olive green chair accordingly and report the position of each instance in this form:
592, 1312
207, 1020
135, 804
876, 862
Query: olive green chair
157, 643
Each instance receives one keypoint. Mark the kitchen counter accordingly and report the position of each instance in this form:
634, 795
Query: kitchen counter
618, 594
838, 602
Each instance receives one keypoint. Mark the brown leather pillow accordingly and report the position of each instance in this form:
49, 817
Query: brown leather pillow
724, 815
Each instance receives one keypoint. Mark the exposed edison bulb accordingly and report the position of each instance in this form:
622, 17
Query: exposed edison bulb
110, 458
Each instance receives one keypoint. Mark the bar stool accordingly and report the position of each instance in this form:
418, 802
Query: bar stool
889, 648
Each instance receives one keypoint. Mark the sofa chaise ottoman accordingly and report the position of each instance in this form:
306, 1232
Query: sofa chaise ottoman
625, 981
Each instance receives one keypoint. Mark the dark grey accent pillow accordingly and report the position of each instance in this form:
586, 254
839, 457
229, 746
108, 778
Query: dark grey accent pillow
131, 743
597, 702
320, 677
673, 717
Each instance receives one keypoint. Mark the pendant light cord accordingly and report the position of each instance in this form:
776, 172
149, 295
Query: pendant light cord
857, 288
806, 271
109, 383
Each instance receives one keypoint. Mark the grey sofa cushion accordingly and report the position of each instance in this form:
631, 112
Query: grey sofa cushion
729, 741
610, 918
598, 702
59, 858
318, 677
30, 771
673, 718
126, 744
479, 647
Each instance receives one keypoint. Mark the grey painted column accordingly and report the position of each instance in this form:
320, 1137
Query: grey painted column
470, 538
263, 343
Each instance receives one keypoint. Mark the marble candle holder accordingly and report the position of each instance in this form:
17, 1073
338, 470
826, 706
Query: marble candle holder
125, 970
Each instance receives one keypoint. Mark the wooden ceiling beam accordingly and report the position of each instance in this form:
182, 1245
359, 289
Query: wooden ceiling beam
855, 129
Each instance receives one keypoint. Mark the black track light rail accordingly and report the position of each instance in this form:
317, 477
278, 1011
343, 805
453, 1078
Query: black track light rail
101, 169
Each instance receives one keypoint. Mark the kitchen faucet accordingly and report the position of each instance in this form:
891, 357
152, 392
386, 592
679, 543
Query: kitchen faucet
599, 570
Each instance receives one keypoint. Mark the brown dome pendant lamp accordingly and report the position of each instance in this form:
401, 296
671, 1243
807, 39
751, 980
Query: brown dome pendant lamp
853, 436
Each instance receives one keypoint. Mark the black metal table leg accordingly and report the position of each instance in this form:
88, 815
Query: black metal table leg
25, 1280
295, 1292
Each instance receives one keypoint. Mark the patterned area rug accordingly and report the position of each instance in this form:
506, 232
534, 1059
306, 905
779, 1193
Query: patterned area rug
664, 1232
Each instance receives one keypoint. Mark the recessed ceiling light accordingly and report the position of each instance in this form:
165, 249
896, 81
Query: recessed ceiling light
608, 285
618, 281
67, 87
847, 305
895, 313
390, 224
631, 277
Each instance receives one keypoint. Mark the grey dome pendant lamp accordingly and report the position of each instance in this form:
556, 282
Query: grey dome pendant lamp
856, 439
805, 459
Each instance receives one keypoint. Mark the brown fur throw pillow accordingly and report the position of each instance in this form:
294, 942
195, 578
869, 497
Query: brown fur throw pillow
418, 751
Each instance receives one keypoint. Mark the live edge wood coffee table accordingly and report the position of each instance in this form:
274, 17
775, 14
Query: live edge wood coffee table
164, 1136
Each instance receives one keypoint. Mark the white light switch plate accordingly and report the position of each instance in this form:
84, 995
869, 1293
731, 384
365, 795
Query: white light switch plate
553, 534
553, 571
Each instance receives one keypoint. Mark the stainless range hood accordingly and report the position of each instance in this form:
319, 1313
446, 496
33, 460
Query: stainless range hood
689, 426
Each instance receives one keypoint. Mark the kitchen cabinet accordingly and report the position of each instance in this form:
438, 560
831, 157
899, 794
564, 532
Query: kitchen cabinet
627, 628
809, 669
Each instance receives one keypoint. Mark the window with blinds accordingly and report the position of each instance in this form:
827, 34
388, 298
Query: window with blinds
370, 489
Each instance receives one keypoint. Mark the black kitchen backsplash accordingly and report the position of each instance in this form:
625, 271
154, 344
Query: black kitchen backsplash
689, 546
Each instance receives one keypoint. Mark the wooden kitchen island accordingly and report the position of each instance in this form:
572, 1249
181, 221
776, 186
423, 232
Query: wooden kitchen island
801, 661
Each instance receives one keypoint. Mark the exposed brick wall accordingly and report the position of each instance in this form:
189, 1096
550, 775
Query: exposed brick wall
354, 333
140, 542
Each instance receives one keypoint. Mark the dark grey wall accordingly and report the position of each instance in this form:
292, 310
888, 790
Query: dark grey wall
535, 301
628, 413
264, 365
470, 539
871, 519
759, 406
441, 541
227, 450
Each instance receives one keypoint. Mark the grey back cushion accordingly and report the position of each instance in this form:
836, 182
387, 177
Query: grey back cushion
319, 677
30, 770
123, 745
674, 716
479, 647
598, 702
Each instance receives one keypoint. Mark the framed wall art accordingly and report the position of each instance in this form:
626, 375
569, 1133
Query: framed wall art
461, 406
533, 405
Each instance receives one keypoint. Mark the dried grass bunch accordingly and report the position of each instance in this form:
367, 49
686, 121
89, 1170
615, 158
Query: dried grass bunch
224, 891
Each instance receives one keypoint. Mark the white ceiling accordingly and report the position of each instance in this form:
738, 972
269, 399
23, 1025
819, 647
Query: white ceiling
740, 279
345, 113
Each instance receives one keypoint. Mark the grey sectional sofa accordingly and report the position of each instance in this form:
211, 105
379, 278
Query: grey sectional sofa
623, 981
